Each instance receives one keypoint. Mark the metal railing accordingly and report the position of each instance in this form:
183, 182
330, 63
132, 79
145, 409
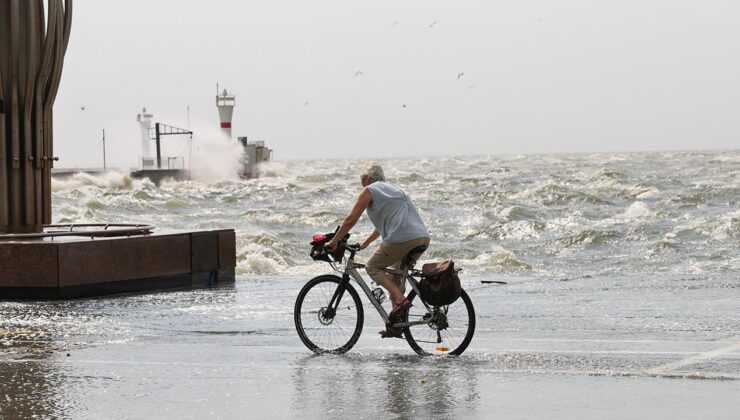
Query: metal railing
91, 230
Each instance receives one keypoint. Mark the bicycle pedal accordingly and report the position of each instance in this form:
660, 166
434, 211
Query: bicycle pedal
391, 333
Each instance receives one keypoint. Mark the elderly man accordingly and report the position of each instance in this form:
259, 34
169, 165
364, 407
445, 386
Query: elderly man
398, 222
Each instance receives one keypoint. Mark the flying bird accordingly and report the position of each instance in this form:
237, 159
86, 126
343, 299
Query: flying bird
358, 73
404, 105
460, 75
471, 86
305, 104
395, 23
82, 108
433, 23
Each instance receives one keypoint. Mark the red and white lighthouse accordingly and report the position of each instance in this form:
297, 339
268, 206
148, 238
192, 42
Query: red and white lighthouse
225, 104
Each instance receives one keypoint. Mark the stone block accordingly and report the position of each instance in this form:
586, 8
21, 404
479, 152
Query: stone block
226, 249
116, 259
204, 251
28, 265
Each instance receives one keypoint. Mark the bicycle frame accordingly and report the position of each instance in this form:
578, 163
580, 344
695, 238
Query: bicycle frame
350, 271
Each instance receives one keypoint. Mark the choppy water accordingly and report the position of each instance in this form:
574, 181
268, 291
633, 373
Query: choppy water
552, 216
647, 324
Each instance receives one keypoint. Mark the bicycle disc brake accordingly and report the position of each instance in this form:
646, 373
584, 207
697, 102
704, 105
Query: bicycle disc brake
326, 316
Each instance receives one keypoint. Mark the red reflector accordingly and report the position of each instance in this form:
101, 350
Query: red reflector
319, 238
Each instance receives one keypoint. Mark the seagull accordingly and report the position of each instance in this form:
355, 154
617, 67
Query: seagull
395, 23
404, 105
358, 73
460, 75
305, 104
471, 86
433, 23
82, 108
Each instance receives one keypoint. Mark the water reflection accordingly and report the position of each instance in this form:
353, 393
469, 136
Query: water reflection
28, 383
376, 385
36, 337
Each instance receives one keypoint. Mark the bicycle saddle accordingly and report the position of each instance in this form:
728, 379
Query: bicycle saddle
410, 259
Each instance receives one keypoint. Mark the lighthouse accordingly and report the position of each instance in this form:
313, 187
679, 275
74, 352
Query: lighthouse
254, 153
225, 103
145, 124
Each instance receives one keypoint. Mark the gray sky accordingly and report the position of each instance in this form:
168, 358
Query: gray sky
539, 76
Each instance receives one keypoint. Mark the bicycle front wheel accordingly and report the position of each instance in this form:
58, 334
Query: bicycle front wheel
449, 331
321, 328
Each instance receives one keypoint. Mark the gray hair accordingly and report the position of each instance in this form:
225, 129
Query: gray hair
373, 172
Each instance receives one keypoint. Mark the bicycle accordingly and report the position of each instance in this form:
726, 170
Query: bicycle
329, 315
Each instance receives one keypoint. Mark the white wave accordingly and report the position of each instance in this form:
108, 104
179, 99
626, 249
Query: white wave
727, 158
728, 226
670, 238
216, 158
498, 260
572, 221
258, 264
637, 210
642, 193
518, 230
108, 180
273, 170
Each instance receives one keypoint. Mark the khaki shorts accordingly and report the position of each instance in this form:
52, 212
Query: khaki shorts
391, 255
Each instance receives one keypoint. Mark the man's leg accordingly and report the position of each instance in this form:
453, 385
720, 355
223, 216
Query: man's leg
399, 280
387, 255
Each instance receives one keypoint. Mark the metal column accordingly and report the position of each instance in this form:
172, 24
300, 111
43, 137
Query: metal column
31, 58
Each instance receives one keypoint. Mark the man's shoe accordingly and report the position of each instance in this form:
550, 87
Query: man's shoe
391, 332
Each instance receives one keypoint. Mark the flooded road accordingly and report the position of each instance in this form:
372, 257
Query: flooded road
581, 348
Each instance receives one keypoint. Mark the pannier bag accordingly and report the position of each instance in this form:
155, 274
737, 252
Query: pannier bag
439, 284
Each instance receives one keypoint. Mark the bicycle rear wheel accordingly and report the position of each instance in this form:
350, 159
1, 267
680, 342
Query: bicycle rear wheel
450, 331
320, 329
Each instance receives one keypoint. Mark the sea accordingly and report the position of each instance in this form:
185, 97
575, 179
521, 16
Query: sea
557, 217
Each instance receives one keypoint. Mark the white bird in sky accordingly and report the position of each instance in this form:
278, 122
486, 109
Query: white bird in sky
460, 75
395, 23
82, 107
358, 73
471, 86
433, 23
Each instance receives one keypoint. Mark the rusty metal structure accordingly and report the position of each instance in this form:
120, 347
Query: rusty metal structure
32, 50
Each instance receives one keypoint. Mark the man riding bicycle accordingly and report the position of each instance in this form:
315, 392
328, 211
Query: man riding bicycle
398, 222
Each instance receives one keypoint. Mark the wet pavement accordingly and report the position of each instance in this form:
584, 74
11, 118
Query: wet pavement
578, 348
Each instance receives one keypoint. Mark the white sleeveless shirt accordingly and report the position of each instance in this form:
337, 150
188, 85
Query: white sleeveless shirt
394, 215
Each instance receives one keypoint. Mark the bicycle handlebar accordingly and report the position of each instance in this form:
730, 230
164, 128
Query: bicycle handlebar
348, 247
353, 248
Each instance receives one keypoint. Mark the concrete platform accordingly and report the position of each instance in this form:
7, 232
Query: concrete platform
73, 267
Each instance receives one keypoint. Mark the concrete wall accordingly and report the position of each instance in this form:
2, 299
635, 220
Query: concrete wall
68, 268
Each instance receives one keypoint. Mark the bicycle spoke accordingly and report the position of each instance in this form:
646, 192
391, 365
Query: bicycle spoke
458, 324
316, 328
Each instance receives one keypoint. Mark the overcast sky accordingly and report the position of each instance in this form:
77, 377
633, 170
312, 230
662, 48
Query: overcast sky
539, 76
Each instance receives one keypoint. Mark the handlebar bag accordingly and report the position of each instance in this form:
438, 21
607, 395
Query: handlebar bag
440, 284
318, 253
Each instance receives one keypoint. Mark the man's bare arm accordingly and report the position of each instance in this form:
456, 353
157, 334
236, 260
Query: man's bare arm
354, 215
373, 236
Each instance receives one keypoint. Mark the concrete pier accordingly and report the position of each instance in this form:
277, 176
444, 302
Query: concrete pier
157, 176
73, 267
